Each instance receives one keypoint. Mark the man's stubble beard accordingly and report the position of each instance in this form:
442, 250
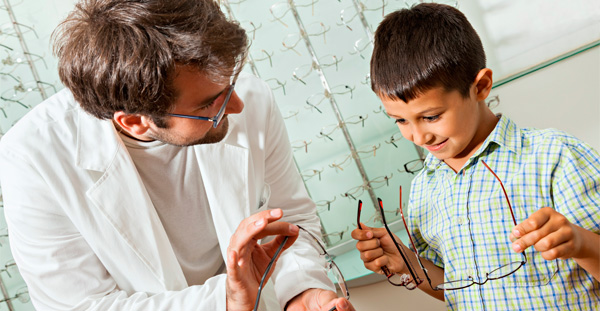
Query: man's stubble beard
211, 136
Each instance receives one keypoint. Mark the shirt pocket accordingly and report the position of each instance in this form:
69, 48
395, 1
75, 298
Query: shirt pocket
491, 223
265, 196
535, 272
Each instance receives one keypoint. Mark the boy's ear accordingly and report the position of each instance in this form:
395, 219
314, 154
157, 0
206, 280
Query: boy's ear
483, 84
134, 124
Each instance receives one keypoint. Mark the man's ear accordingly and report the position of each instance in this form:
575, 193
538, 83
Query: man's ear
134, 124
483, 84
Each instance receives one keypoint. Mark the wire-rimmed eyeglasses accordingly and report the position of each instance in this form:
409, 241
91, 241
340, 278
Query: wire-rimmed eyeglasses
217, 118
331, 267
22, 295
498, 273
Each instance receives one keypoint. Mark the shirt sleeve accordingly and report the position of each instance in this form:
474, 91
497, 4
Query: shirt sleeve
576, 184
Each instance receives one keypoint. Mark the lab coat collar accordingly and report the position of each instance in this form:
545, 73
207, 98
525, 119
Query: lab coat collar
122, 198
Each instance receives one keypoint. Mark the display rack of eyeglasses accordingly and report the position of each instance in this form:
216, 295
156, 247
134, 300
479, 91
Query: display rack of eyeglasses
314, 54
22, 86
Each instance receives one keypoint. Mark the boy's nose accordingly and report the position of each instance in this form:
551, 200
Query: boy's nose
235, 104
419, 137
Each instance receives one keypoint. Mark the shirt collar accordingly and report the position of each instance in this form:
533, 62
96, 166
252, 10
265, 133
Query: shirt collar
506, 134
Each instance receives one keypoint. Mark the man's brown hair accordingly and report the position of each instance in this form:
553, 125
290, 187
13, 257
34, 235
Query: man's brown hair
121, 55
429, 45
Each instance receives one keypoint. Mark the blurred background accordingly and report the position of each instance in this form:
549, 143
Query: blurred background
315, 56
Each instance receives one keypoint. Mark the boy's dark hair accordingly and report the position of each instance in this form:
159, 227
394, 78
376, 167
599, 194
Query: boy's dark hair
117, 55
429, 45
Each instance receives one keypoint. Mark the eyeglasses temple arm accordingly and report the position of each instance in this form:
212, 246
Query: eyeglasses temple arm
264, 277
408, 265
385, 270
503, 190
412, 242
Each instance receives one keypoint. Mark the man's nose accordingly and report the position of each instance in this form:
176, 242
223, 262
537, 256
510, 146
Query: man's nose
235, 104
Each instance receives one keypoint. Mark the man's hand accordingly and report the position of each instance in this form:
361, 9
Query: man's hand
247, 260
316, 299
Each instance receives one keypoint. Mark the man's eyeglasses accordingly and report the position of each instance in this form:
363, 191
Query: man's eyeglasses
498, 273
216, 119
331, 267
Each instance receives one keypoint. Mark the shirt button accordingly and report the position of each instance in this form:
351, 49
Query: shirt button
460, 220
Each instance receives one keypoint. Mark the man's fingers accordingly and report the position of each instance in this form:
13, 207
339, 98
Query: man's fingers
278, 228
271, 247
251, 226
232, 263
341, 304
534, 222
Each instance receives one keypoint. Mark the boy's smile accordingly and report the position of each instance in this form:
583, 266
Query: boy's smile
447, 124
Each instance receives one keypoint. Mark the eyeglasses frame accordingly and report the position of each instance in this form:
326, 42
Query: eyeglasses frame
331, 266
405, 282
437, 287
217, 118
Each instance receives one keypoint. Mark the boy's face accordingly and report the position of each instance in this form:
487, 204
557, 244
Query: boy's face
447, 124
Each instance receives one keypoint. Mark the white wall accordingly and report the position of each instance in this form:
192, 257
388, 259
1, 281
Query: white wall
565, 95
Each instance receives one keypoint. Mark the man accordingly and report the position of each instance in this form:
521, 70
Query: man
147, 182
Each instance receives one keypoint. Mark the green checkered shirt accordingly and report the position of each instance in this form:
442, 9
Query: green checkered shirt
461, 221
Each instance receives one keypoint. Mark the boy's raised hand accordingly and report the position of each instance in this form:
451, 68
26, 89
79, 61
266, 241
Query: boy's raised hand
377, 249
550, 233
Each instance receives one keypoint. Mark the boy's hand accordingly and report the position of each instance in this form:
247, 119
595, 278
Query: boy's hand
316, 299
377, 249
550, 233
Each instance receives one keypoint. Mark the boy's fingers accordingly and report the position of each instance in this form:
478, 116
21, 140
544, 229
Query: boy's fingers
361, 235
367, 245
371, 255
534, 222
534, 237
562, 251
376, 264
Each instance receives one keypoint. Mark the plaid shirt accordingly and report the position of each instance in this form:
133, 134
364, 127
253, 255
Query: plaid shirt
461, 221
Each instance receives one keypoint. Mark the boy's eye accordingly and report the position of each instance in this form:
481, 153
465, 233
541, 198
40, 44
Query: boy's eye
432, 118
400, 121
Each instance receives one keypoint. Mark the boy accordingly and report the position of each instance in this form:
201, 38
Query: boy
428, 68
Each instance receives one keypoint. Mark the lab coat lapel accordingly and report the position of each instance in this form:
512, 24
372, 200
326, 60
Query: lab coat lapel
225, 174
121, 197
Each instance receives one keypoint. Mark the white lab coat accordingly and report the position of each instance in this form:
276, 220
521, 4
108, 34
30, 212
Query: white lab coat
83, 230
